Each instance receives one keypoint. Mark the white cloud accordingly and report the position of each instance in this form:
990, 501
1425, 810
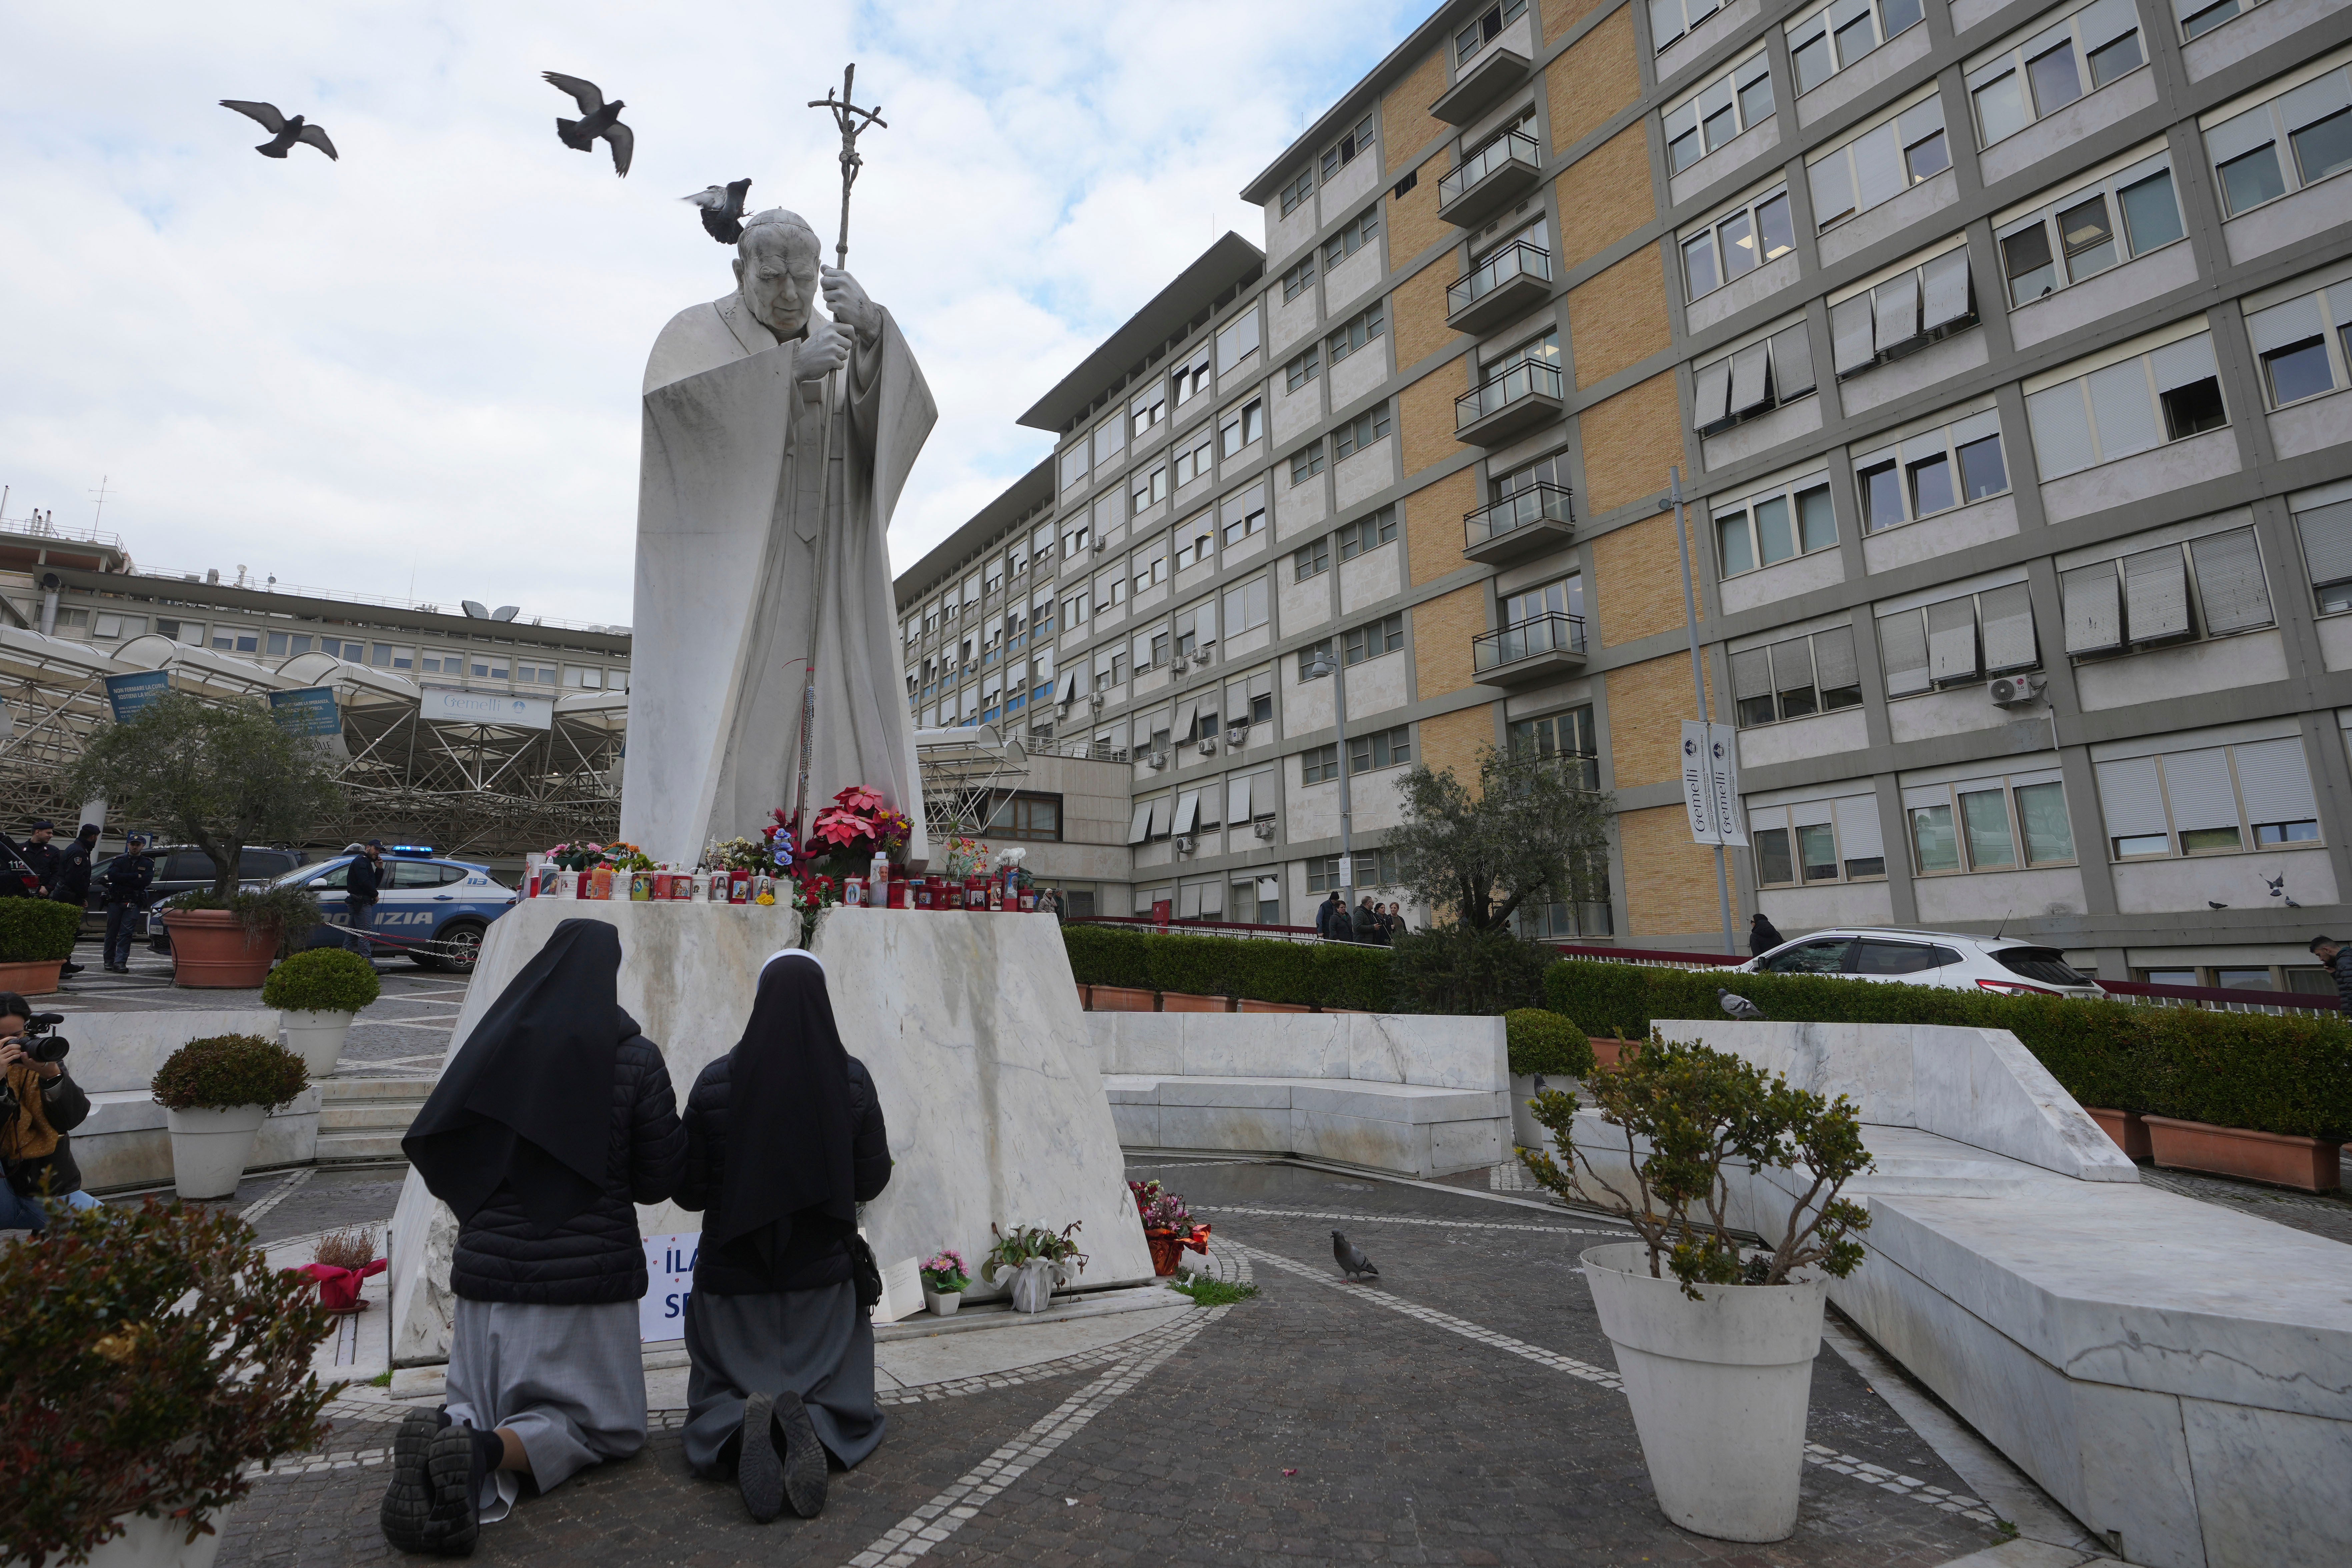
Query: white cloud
421, 363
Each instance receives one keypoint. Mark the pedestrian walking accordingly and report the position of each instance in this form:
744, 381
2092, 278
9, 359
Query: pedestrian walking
70, 882
1395, 923
552, 1121
2337, 956
362, 885
1331, 918
124, 884
1763, 936
784, 1139
1049, 902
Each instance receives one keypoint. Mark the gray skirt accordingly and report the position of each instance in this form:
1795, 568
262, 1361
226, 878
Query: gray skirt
568, 1382
815, 1342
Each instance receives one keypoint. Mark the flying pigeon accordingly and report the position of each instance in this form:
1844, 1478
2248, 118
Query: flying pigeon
1351, 1259
2277, 884
722, 209
283, 132
598, 118
1739, 1006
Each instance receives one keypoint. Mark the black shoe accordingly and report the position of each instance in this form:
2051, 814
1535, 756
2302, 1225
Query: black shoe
407, 1511
759, 1470
805, 1472
68, 969
456, 1480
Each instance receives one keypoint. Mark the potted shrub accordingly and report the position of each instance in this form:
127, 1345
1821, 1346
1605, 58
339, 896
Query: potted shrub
221, 776
37, 936
218, 1090
1037, 1258
320, 993
944, 1279
1542, 1045
1714, 1341
1169, 1226
183, 1360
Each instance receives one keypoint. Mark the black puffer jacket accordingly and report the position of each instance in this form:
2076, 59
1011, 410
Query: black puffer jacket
596, 1256
817, 1254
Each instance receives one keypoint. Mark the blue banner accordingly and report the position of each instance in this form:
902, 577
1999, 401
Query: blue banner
310, 712
131, 694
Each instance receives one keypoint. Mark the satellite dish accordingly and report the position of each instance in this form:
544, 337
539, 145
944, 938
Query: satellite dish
474, 607
506, 612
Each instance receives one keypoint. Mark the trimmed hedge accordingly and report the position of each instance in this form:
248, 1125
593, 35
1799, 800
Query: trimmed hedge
2267, 1074
34, 931
221, 1072
1543, 1042
1316, 974
323, 980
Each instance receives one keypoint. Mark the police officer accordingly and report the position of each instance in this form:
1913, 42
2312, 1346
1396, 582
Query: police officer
41, 855
361, 891
70, 884
127, 877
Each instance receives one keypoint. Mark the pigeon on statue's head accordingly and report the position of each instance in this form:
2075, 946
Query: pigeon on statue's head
1739, 1006
283, 132
722, 209
597, 118
1350, 1258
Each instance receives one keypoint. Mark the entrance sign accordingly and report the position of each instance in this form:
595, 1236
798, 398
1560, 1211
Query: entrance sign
1711, 783
444, 705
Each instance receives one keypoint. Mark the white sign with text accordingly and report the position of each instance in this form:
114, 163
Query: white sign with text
669, 1280
1711, 783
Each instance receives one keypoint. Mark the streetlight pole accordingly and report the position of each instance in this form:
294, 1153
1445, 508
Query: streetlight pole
1326, 665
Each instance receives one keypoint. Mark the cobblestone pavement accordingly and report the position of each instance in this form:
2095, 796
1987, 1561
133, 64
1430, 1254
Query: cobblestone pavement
2321, 1214
1461, 1411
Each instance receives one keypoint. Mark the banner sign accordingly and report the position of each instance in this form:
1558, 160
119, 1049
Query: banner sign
132, 695
669, 1280
443, 705
1711, 783
309, 713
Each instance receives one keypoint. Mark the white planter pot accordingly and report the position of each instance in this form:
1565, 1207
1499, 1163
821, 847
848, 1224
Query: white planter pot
1032, 1285
155, 1543
1526, 1130
209, 1148
317, 1039
1719, 1388
942, 1304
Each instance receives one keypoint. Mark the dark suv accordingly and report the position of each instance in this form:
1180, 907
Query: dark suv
182, 867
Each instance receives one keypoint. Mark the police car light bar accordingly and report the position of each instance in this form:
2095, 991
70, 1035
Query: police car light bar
408, 849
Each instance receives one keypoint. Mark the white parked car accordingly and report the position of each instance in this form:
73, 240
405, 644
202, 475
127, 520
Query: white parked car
1943, 958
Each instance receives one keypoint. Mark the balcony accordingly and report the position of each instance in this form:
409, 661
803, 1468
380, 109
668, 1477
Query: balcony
1513, 281
1532, 522
1481, 85
1497, 175
1537, 649
1527, 395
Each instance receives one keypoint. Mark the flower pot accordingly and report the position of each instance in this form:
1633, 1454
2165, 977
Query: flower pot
1125, 999
155, 1543
1249, 1006
1718, 1389
316, 1039
1605, 1053
1185, 1002
2126, 1128
30, 979
1526, 1130
211, 950
1032, 1285
2312, 1165
209, 1148
942, 1304
1166, 1246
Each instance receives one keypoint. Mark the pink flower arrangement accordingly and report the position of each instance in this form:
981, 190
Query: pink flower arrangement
945, 1271
859, 820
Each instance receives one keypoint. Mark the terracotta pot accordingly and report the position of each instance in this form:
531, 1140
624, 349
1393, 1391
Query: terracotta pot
2126, 1128
1166, 1244
1125, 999
1086, 997
210, 951
1250, 1006
30, 979
1185, 1002
1604, 1052
2312, 1165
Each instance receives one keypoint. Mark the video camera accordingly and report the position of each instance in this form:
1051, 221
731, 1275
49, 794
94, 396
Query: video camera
41, 1044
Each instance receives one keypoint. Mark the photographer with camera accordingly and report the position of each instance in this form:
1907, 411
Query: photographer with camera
40, 1104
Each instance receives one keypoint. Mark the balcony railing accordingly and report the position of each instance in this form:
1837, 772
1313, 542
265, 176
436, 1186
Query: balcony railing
1537, 518
1552, 637
1527, 394
1507, 282
1497, 174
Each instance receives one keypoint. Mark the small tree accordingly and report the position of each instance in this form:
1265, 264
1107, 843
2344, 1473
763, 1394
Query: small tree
1530, 834
220, 776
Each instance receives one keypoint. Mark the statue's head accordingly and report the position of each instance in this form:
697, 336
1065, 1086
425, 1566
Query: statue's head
776, 268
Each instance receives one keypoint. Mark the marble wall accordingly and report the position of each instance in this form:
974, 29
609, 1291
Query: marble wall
125, 1141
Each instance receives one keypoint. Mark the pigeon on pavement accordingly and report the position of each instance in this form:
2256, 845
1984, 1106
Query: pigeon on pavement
722, 209
283, 132
1351, 1259
1739, 1006
598, 118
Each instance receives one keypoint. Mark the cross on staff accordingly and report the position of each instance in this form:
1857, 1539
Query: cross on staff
854, 122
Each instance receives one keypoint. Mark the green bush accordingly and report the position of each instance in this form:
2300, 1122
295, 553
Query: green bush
1326, 974
1544, 1042
34, 931
220, 1071
324, 980
2285, 1075
1458, 969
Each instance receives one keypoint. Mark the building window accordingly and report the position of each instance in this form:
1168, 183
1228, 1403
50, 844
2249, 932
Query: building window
1149, 565
1356, 332
1237, 341
1670, 19
2213, 799
1706, 121
1903, 314
2154, 597
2323, 517
1074, 543
2137, 401
1109, 589
1787, 521
1368, 533
1834, 37
1796, 678
1319, 765
2090, 229
1196, 541
1821, 841
1301, 186
1301, 370
1360, 432
1110, 438
1249, 702
1959, 640
2198, 19
1754, 378
2303, 344
1359, 232
1146, 413
1381, 749
1299, 278
1241, 425
1342, 153
1245, 514
1312, 559
1306, 462
1936, 470
1032, 818
1246, 606
1192, 379
1196, 460
1373, 869
1569, 736
1880, 163
1476, 34
1074, 465
1989, 824
2037, 74
1148, 489
1739, 242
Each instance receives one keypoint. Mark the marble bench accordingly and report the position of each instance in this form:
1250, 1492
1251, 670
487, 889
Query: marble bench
1412, 1095
125, 1141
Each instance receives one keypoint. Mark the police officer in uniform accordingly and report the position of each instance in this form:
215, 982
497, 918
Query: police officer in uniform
127, 878
70, 884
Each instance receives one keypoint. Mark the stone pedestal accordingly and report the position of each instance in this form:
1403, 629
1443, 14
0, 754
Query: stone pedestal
968, 1024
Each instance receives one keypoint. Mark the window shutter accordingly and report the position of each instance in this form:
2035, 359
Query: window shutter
1792, 362
2130, 798
1903, 650
1849, 334
2327, 541
1832, 183
2008, 616
2156, 594
1262, 684
1792, 664
1878, 168
1187, 810
1258, 609
1188, 713
1857, 827
1159, 809
2288, 323
2105, 21
2177, 364
1211, 805
1142, 650
1140, 827
2094, 610
2197, 785
1269, 888
1213, 899
1946, 283
1752, 674
1237, 801
1187, 901
1833, 658
1747, 382
1952, 640
1895, 304
2276, 781
2230, 582
1710, 393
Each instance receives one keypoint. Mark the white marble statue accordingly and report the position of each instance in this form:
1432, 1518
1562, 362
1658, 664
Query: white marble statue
750, 557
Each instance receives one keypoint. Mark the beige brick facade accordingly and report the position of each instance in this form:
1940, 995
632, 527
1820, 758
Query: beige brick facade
1647, 704
1406, 124
1418, 308
1559, 15
1413, 223
1670, 886
1637, 586
1595, 78
1426, 416
1433, 525
1605, 195
1453, 742
1442, 630
1630, 442
1617, 318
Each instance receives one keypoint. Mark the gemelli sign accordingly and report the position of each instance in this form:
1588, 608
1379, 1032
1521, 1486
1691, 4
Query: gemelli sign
441, 705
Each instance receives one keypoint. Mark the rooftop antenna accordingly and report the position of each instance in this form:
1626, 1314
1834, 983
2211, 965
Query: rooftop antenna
100, 494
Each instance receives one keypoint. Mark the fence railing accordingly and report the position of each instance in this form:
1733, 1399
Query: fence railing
1213, 928
1553, 631
1542, 503
1512, 146
1518, 259
2220, 998
1648, 957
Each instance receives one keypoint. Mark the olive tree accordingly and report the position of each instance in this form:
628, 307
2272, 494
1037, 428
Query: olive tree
1529, 834
221, 776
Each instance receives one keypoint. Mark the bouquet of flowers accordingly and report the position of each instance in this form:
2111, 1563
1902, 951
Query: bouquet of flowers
581, 855
1164, 1214
777, 836
737, 855
965, 856
944, 1271
858, 822
812, 892
627, 857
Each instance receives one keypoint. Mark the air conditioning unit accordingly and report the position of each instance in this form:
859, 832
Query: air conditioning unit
1263, 829
1182, 665
1185, 845
2014, 690
1208, 747
1159, 759
1097, 703
1101, 545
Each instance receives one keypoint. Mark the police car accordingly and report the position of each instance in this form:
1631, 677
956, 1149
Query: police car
433, 909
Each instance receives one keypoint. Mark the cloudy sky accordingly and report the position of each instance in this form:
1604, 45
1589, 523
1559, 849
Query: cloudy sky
415, 372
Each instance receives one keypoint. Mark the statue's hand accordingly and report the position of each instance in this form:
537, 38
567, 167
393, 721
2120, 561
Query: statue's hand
826, 350
845, 302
